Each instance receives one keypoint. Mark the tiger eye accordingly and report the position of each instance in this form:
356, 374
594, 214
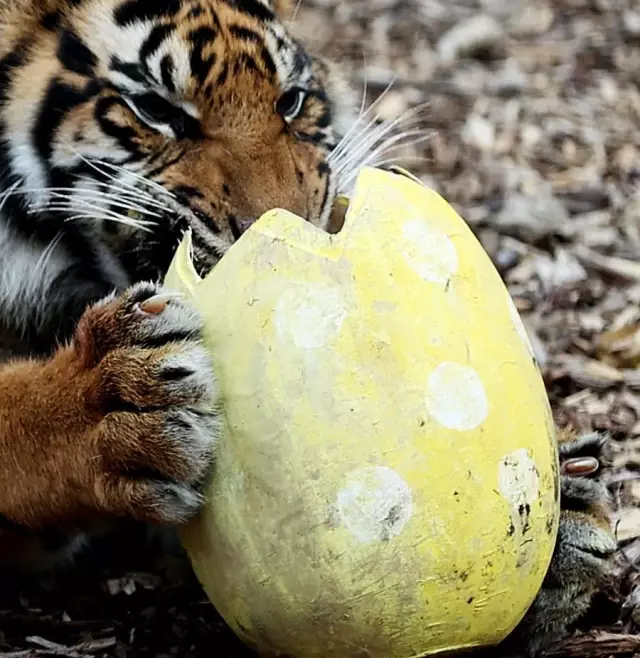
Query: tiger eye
290, 103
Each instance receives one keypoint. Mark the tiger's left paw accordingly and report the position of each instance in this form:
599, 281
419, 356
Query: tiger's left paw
583, 561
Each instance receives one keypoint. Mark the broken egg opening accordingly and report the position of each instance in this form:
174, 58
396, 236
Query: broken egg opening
338, 214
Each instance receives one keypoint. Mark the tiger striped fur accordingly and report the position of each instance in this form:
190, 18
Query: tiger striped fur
123, 122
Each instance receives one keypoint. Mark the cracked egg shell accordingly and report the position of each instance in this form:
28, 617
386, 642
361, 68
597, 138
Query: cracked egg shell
387, 479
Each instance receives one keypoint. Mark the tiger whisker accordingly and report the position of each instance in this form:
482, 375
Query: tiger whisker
377, 132
406, 138
46, 254
80, 194
98, 212
382, 158
337, 156
385, 162
132, 193
143, 179
403, 119
373, 142
348, 138
118, 220
375, 145
399, 150
148, 200
295, 13
73, 203
71, 192
91, 162
7, 193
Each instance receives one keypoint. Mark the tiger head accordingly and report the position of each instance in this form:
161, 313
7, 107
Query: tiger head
134, 116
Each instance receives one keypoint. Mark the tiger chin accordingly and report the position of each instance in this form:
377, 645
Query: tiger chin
123, 123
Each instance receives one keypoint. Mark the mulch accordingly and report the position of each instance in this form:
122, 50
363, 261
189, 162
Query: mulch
534, 108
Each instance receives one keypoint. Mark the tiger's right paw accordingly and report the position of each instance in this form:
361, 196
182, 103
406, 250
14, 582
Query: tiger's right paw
120, 423
152, 403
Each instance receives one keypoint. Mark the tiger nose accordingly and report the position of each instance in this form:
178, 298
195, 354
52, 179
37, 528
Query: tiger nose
240, 225
246, 223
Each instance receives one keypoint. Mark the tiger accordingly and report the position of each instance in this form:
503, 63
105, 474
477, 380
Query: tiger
123, 124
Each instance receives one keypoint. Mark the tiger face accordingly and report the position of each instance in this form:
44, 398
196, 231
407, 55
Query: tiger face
133, 116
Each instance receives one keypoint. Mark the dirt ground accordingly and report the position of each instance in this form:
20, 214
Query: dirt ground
534, 113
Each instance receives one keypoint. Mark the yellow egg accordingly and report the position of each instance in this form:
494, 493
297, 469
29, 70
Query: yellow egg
387, 480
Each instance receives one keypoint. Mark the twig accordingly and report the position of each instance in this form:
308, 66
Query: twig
53, 647
627, 269
92, 646
599, 644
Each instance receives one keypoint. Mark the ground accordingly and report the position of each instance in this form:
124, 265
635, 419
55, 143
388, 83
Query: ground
533, 110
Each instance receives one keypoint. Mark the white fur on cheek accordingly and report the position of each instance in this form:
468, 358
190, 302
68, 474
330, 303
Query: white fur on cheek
343, 99
20, 116
26, 275
27, 165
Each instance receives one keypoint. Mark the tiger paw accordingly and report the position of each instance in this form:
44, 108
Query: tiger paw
583, 559
151, 404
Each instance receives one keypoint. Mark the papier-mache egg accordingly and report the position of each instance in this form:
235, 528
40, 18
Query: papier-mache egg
386, 483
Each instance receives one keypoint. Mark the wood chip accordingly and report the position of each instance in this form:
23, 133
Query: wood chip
597, 645
627, 523
590, 372
53, 648
627, 269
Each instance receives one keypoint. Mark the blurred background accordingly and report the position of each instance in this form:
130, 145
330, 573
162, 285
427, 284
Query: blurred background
533, 115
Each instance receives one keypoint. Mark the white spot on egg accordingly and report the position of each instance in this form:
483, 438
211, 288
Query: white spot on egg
375, 504
518, 479
519, 324
429, 252
311, 316
456, 397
